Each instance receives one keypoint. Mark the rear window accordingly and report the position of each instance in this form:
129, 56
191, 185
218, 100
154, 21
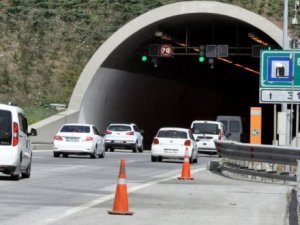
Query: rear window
172, 134
75, 129
119, 128
5, 127
234, 126
205, 128
224, 122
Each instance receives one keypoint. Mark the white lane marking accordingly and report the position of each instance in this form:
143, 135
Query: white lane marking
101, 200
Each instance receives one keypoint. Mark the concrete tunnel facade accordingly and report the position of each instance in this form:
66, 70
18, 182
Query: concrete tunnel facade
105, 93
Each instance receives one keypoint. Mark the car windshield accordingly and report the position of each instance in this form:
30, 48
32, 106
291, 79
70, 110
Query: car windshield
5, 127
205, 128
172, 134
119, 128
75, 129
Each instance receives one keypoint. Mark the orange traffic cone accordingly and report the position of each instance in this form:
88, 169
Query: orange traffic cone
186, 168
121, 201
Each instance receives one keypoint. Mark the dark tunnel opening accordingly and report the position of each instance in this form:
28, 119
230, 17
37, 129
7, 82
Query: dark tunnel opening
185, 89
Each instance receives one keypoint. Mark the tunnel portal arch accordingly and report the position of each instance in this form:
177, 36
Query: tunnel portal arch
97, 93
161, 13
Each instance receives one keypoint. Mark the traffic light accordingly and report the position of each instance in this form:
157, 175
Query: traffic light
201, 59
144, 58
201, 54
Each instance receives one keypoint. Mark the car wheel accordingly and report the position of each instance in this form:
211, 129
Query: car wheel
112, 149
28, 171
16, 175
106, 149
102, 155
154, 159
135, 148
195, 160
55, 154
141, 149
94, 154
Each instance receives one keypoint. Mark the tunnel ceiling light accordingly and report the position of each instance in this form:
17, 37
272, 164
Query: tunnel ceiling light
255, 38
251, 70
225, 60
238, 65
158, 33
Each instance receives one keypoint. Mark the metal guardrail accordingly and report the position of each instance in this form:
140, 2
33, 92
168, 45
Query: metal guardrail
258, 153
298, 181
240, 158
268, 161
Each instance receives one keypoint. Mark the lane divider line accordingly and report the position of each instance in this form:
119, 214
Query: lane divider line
101, 200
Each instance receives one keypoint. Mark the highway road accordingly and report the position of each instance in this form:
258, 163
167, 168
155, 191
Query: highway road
80, 190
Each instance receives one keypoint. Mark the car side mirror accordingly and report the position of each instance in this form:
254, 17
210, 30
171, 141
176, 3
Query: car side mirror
33, 132
197, 139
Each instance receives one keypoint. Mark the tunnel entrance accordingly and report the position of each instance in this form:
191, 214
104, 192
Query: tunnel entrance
182, 89
174, 91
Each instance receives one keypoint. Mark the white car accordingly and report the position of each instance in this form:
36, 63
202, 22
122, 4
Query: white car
78, 139
171, 143
15, 146
124, 135
205, 132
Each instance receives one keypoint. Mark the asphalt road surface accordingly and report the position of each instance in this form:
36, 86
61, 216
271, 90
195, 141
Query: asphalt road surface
80, 190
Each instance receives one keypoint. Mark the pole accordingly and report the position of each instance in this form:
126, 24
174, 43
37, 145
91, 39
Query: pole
297, 125
294, 24
275, 125
285, 46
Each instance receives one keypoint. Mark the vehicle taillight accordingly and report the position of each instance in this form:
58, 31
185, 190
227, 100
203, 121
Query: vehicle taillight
58, 138
155, 141
187, 143
107, 132
15, 134
219, 133
88, 138
130, 133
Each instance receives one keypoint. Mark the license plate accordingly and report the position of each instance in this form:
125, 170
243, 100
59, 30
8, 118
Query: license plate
118, 141
170, 150
72, 139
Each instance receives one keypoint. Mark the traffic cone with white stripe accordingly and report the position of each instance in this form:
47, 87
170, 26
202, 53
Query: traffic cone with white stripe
121, 200
186, 168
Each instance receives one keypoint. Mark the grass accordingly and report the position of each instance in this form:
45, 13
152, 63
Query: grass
38, 113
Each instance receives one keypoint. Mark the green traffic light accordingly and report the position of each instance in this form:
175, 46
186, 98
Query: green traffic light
144, 58
201, 59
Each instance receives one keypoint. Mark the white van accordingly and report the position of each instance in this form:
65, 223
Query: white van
205, 132
15, 147
233, 126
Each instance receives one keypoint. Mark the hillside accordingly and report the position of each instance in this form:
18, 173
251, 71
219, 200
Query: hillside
45, 44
